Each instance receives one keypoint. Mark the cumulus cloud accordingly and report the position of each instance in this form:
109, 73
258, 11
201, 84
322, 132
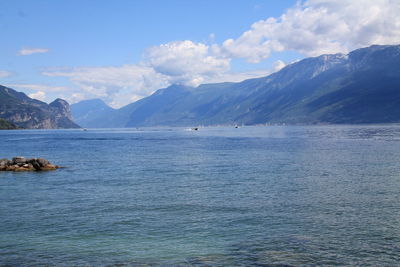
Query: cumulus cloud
4, 73
186, 62
45, 92
123, 84
39, 95
318, 27
30, 51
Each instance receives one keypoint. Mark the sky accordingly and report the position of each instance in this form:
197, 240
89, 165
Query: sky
123, 50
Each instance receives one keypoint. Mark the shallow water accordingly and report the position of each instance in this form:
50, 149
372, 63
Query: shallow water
220, 196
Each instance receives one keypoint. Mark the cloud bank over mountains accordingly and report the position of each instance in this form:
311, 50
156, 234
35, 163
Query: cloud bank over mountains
320, 27
122, 84
311, 28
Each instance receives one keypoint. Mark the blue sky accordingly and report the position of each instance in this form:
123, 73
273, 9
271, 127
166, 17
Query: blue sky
123, 50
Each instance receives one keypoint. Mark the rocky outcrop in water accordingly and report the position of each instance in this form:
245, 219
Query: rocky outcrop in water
18, 164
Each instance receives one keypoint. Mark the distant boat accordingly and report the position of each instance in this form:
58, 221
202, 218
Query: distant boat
84, 129
195, 129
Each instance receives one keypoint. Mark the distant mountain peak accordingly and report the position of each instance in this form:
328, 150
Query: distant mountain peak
62, 107
86, 110
59, 103
23, 111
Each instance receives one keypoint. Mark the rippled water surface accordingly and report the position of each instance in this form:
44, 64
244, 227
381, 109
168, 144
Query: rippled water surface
220, 196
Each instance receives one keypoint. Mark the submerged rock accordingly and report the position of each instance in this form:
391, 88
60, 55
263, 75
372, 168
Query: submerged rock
18, 164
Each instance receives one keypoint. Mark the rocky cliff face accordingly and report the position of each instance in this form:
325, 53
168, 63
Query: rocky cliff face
5, 125
25, 112
62, 113
61, 107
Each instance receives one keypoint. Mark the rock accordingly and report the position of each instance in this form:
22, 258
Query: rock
4, 163
10, 168
42, 162
18, 164
18, 160
49, 167
27, 167
35, 165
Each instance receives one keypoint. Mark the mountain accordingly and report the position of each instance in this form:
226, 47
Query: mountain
25, 112
360, 87
5, 125
89, 113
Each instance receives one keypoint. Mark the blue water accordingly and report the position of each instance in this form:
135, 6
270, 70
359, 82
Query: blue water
220, 196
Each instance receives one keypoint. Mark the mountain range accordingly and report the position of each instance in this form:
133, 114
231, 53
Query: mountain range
17, 109
360, 87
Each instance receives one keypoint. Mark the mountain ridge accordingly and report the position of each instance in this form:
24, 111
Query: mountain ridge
362, 86
87, 111
25, 112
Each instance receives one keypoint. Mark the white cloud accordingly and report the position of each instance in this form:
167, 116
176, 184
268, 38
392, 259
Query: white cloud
4, 73
76, 97
46, 92
29, 51
240, 76
39, 87
317, 27
39, 95
278, 65
186, 62
116, 85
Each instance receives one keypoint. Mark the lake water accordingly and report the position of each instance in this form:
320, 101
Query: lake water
220, 196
